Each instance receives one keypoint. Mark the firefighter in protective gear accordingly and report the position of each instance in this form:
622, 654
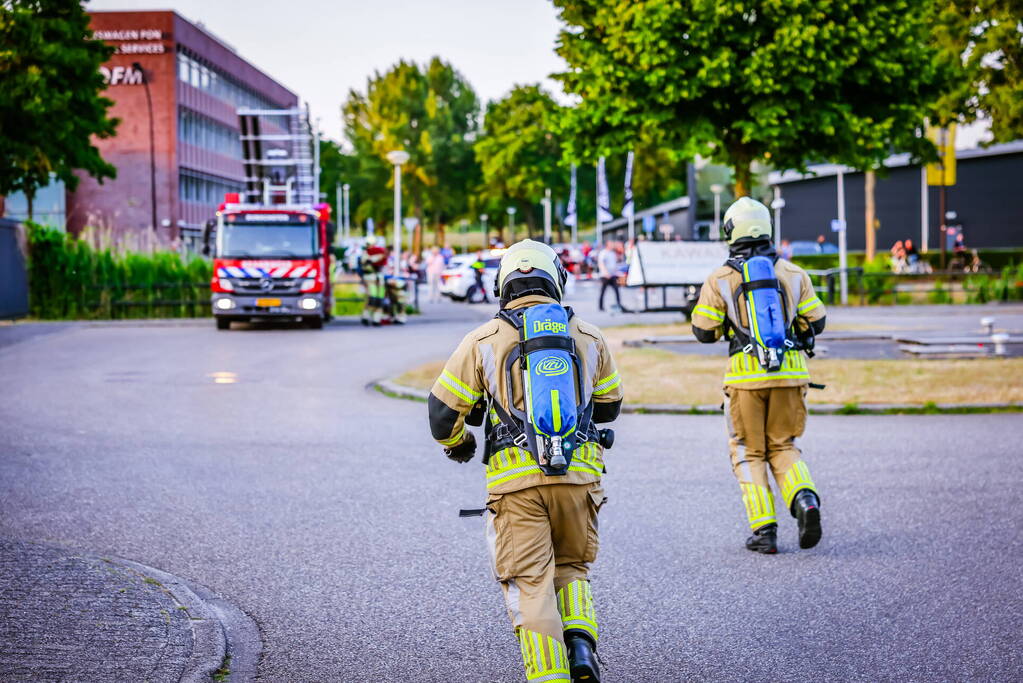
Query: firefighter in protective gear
541, 530
372, 264
765, 410
397, 300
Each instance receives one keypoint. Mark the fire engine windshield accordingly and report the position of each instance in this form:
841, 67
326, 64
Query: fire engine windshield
268, 240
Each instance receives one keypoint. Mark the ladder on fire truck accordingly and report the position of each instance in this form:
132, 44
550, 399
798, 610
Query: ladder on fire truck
281, 156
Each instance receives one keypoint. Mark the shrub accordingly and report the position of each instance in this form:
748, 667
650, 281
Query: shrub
68, 278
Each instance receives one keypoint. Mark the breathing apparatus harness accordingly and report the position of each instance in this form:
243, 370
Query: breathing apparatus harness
515, 427
761, 277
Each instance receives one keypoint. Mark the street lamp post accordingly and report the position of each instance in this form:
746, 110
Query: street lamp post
347, 214
778, 204
398, 158
339, 203
547, 216
717, 189
843, 277
511, 225
152, 144
486, 235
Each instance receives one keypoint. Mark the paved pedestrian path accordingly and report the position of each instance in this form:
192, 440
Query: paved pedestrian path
71, 617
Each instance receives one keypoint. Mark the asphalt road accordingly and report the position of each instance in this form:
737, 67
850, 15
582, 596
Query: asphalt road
325, 512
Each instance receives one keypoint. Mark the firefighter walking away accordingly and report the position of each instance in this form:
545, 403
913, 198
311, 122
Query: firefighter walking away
766, 308
541, 380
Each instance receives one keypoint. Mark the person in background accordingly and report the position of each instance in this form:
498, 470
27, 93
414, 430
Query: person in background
607, 270
478, 266
785, 251
434, 267
820, 244
898, 257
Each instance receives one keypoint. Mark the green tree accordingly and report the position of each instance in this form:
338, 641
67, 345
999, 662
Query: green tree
985, 38
431, 113
519, 152
50, 101
785, 82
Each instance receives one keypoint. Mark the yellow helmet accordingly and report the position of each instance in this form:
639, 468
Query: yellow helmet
530, 267
746, 218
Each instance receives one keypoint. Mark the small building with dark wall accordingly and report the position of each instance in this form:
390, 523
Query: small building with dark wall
985, 198
196, 82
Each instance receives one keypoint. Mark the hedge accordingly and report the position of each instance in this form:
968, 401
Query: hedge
70, 279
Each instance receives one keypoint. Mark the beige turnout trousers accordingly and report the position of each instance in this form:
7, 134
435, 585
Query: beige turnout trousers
542, 540
763, 425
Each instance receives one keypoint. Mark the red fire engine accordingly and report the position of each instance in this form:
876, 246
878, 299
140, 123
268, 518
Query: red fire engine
272, 245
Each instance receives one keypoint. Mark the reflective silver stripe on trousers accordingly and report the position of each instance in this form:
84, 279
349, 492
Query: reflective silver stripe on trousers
512, 597
739, 443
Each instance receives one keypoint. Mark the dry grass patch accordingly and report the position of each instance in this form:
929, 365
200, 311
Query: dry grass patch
655, 376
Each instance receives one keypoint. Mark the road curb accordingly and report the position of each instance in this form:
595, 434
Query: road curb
223, 636
394, 390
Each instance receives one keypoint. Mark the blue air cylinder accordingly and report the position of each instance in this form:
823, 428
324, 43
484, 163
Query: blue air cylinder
551, 402
765, 309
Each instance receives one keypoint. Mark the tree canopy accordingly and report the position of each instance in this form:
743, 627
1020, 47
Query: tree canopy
50, 103
985, 38
519, 151
782, 81
430, 112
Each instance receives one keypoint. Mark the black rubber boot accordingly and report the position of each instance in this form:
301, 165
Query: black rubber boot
764, 540
582, 659
806, 508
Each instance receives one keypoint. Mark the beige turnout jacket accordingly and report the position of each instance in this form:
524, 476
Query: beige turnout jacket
477, 368
717, 304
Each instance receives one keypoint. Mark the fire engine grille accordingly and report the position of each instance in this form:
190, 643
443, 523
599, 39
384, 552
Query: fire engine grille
266, 285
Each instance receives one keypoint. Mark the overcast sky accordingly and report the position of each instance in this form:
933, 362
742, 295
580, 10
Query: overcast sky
322, 48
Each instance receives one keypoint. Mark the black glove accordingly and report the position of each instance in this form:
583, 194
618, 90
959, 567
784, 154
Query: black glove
464, 451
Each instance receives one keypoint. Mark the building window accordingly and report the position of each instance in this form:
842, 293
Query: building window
204, 132
199, 73
202, 188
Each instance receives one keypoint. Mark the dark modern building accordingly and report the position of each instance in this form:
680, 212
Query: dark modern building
196, 83
985, 200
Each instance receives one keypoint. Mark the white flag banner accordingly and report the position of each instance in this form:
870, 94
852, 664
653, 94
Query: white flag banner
604, 214
629, 207
571, 216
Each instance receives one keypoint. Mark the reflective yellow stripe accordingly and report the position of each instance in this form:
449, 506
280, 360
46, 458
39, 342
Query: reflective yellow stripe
455, 439
556, 410
759, 502
545, 658
754, 328
809, 304
743, 367
514, 463
607, 384
796, 480
575, 603
712, 313
459, 388
601, 392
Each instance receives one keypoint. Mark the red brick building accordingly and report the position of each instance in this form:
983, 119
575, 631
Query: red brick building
196, 83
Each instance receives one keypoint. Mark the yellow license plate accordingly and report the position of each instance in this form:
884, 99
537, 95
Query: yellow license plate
268, 302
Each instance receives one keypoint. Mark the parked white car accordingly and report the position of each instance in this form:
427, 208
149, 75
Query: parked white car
458, 278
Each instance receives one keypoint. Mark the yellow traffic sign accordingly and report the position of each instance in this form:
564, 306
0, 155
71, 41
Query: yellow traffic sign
944, 171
